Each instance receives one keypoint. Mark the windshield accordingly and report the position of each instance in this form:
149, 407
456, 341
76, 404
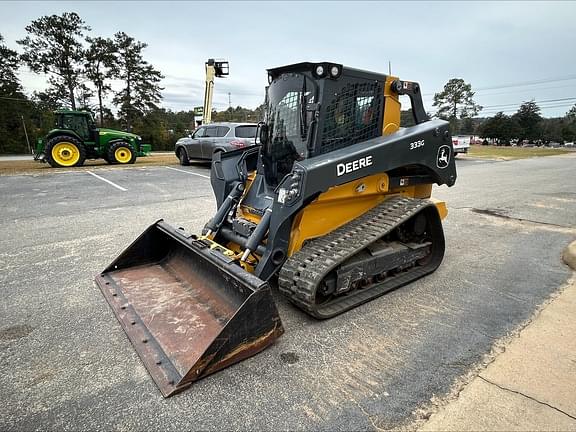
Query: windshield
288, 122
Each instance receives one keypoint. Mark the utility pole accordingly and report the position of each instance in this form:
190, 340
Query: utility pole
229, 106
26, 133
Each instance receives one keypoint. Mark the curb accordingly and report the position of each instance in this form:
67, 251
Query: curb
569, 255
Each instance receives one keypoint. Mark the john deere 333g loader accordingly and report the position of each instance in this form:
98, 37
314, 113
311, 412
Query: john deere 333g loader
334, 206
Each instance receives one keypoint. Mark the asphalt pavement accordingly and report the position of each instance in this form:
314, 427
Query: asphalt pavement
65, 362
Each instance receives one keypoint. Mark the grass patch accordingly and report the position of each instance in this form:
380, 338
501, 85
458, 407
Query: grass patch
500, 152
34, 167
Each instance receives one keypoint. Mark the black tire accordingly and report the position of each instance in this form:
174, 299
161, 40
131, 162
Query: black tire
57, 162
128, 149
183, 157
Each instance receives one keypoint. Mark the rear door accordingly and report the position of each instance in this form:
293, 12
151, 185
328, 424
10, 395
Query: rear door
222, 140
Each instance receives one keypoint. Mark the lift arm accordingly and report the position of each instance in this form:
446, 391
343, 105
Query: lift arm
214, 69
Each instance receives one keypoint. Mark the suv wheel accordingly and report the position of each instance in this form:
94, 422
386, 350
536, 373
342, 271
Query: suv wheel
183, 157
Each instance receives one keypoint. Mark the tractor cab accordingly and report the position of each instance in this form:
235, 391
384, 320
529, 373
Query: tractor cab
81, 122
317, 108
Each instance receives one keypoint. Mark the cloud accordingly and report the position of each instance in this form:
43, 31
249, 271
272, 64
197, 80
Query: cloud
485, 43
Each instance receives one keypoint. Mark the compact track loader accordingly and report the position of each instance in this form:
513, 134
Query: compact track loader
334, 206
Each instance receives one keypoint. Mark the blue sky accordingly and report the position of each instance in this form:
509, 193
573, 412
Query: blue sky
492, 45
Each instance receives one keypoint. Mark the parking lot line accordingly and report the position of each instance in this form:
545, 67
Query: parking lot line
107, 181
188, 172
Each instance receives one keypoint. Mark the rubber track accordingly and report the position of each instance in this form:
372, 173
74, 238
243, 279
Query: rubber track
303, 272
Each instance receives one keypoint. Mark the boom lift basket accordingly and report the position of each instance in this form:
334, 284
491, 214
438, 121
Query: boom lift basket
188, 310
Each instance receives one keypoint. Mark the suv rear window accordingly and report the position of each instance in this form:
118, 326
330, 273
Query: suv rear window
245, 131
222, 131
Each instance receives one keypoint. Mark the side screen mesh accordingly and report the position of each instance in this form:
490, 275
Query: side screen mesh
352, 116
286, 124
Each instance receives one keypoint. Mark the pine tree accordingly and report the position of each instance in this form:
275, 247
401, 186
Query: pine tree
53, 46
100, 59
141, 90
13, 103
455, 102
529, 119
501, 128
9, 82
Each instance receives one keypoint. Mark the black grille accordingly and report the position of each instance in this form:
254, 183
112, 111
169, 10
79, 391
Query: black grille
352, 116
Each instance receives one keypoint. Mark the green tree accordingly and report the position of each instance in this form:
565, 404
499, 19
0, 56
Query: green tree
43, 117
54, 47
569, 125
551, 129
9, 82
239, 114
493, 127
100, 59
47, 100
529, 119
84, 95
501, 128
467, 126
455, 102
141, 89
259, 112
571, 114
14, 106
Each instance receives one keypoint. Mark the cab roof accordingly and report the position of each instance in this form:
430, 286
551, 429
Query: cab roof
311, 66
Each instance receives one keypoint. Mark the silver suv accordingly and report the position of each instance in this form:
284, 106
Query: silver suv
215, 137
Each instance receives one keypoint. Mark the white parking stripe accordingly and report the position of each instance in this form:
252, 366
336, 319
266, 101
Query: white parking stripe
189, 172
107, 181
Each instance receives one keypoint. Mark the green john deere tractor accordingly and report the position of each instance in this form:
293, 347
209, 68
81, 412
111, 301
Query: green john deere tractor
76, 138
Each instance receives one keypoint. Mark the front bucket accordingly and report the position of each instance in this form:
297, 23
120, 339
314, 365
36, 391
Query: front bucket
188, 310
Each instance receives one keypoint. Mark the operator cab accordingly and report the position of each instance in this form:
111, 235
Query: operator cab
316, 108
81, 122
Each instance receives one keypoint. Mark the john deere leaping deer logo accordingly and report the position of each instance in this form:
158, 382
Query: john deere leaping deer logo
443, 158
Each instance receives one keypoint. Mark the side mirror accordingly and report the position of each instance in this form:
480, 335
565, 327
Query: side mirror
263, 134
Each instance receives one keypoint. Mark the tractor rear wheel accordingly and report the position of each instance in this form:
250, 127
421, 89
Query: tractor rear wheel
65, 151
121, 152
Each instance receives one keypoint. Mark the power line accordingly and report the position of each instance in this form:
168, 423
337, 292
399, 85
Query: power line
537, 102
484, 95
519, 84
528, 90
15, 99
505, 110
527, 83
